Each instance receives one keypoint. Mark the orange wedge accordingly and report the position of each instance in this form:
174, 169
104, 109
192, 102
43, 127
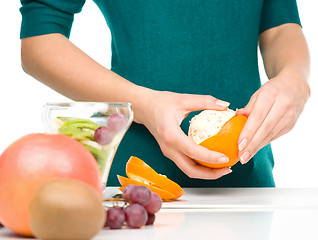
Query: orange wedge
165, 195
138, 170
225, 141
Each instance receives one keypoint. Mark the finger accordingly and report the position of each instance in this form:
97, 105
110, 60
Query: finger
280, 130
266, 131
254, 121
286, 123
283, 131
246, 111
195, 151
192, 102
292, 118
194, 170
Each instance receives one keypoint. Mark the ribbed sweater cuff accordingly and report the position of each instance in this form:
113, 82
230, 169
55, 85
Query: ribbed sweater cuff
47, 20
278, 12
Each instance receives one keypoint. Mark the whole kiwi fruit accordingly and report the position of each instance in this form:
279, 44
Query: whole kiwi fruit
66, 209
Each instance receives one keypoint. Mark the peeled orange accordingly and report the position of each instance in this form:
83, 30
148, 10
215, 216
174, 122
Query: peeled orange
218, 131
140, 173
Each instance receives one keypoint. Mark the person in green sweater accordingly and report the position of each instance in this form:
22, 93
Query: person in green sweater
171, 59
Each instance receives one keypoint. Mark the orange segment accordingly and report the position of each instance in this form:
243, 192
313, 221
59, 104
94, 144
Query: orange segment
165, 195
225, 141
138, 170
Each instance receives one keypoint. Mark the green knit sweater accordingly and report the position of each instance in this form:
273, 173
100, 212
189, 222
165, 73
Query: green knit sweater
185, 46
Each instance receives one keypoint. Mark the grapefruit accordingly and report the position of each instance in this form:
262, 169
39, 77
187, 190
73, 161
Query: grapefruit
34, 160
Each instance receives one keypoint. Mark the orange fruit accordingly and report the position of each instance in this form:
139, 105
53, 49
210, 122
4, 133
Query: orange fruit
140, 172
165, 195
33, 160
225, 141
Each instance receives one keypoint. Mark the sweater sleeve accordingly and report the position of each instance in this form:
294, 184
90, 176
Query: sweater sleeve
41, 17
278, 12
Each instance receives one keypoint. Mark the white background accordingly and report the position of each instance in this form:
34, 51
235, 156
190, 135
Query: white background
22, 97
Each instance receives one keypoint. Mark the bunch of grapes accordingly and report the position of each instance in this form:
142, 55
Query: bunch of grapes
115, 123
140, 211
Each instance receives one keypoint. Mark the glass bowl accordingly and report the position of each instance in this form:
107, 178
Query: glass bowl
99, 126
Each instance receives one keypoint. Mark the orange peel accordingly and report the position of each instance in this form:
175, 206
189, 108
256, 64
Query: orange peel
165, 195
140, 173
225, 141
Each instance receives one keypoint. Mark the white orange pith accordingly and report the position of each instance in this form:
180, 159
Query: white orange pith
208, 123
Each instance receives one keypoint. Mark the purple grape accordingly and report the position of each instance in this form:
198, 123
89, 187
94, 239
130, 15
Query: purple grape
151, 219
127, 190
115, 218
141, 195
136, 215
155, 204
117, 121
104, 135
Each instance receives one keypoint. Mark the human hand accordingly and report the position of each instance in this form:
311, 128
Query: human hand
163, 114
272, 112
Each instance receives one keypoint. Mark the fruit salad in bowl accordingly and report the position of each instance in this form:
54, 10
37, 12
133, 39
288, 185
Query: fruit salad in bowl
99, 126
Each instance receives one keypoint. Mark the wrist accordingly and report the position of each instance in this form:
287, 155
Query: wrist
296, 79
140, 98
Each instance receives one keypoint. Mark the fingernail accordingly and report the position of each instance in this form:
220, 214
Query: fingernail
223, 159
222, 103
227, 171
243, 144
244, 158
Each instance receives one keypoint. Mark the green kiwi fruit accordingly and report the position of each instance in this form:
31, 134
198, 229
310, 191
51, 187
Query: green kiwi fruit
100, 156
78, 128
66, 209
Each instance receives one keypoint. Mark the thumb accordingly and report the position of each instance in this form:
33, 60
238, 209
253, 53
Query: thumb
248, 108
193, 102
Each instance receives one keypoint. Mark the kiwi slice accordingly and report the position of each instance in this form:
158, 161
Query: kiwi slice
83, 130
78, 128
99, 155
78, 131
70, 120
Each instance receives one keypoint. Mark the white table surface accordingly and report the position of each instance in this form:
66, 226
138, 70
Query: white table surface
231, 214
